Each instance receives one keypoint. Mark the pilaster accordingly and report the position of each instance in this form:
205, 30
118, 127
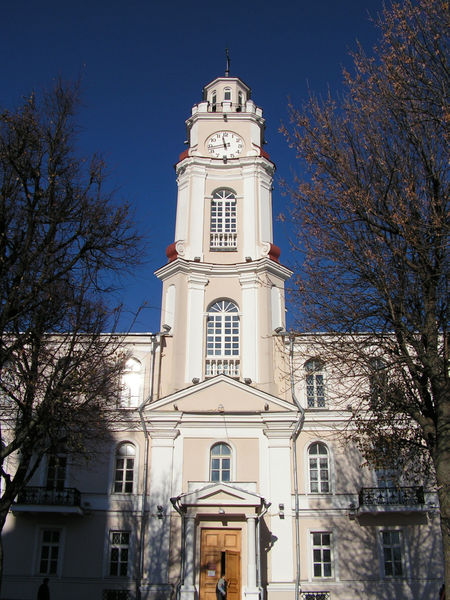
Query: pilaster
281, 522
160, 492
249, 328
195, 326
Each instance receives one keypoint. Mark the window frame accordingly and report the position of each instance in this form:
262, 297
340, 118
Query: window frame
57, 462
378, 381
42, 530
331, 548
223, 339
319, 469
223, 220
383, 547
220, 457
135, 375
111, 546
125, 470
316, 371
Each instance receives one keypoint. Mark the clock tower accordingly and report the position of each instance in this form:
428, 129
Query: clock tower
223, 287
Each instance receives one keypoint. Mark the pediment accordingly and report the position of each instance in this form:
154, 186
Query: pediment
222, 394
220, 494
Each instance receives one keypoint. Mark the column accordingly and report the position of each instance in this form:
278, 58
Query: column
251, 590
188, 587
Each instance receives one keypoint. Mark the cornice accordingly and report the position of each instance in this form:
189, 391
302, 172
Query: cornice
202, 162
256, 267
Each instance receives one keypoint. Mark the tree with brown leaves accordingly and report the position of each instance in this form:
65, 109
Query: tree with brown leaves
62, 243
372, 229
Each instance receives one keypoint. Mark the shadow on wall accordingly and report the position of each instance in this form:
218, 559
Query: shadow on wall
358, 542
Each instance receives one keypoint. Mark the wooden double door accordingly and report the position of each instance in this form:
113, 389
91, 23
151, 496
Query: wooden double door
220, 554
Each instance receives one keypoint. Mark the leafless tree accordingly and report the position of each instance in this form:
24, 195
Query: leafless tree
372, 231
63, 244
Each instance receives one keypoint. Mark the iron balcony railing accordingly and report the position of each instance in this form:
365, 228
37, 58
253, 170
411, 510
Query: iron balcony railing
392, 496
49, 497
315, 596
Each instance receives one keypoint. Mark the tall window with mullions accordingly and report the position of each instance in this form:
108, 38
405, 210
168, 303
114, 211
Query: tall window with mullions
315, 383
222, 339
220, 462
119, 553
223, 226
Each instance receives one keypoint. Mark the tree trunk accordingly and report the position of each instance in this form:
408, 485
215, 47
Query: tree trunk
3, 515
442, 466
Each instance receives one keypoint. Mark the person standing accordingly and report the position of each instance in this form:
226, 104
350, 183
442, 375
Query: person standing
44, 592
221, 589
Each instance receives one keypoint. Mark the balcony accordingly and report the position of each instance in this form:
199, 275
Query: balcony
222, 366
35, 499
391, 499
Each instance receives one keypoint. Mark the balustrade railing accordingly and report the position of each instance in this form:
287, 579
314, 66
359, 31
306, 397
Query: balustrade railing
392, 496
223, 241
315, 596
53, 497
222, 366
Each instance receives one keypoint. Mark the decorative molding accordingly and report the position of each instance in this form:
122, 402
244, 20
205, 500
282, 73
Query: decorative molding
180, 247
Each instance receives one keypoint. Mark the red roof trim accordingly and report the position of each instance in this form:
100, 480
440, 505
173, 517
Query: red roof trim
184, 155
171, 252
274, 253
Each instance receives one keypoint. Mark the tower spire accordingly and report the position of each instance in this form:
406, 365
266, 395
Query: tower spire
227, 70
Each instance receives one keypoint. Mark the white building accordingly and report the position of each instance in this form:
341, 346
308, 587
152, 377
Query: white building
217, 464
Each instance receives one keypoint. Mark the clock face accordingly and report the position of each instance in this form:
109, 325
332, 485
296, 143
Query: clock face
224, 144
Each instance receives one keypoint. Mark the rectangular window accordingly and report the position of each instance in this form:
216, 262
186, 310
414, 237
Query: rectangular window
56, 472
321, 550
119, 553
223, 226
392, 553
50, 550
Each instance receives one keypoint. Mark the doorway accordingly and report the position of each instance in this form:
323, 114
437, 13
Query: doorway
220, 554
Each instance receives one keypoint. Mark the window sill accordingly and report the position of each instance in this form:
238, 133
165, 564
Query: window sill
223, 249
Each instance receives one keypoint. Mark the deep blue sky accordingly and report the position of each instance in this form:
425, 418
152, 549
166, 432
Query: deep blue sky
143, 64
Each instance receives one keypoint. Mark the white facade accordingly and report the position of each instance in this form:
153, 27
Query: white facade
216, 465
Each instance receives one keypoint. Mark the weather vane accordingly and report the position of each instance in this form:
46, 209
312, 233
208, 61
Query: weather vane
227, 70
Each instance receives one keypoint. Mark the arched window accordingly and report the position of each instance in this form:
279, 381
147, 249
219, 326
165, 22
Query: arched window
214, 101
222, 339
227, 94
315, 383
319, 469
124, 469
223, 227
220, 462
131, 384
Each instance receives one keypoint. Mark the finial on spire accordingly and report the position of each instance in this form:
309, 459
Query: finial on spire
227, 70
